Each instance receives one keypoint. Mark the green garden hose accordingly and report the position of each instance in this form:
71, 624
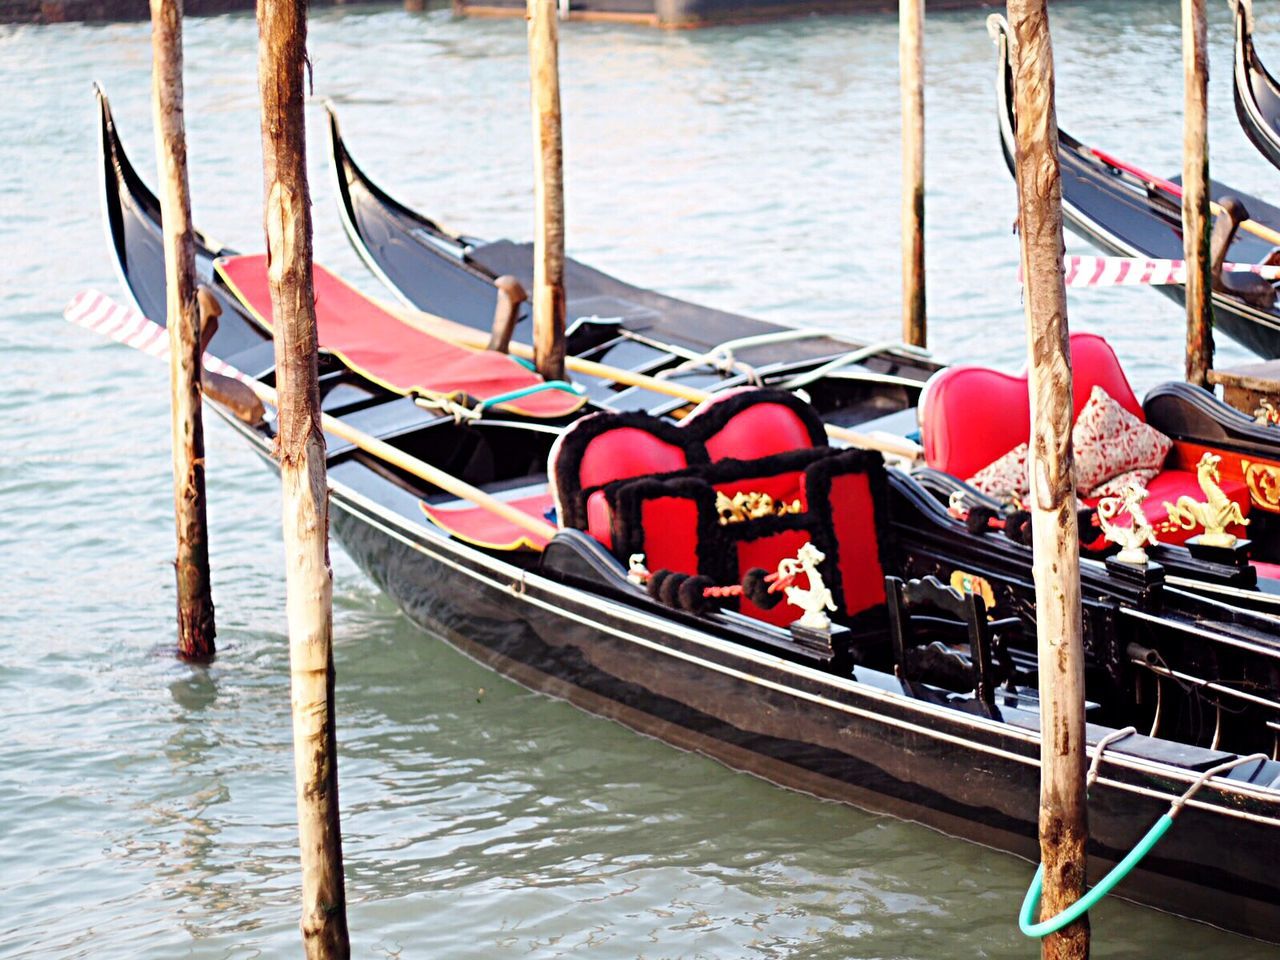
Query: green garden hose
1031, 902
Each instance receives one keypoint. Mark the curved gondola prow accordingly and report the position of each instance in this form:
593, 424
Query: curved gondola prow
1256, 93
131, 215
998, 28
388, 237
116, 180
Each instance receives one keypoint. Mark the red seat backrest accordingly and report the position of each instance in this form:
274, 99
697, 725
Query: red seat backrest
756, 430
971, 416
744, 424
627, 452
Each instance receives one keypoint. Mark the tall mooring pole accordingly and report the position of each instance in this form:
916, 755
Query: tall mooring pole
282, 51
1056, 567
548, 186
911, 74
1195, 193
196, 627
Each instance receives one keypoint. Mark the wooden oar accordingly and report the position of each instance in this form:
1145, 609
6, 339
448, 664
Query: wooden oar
1252, 226
420, 469
469, 337
100, 313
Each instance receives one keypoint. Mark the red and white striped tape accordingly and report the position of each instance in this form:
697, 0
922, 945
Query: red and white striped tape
97, 312
1134, 271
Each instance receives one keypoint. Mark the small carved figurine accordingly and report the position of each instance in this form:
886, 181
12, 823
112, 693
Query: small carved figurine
1267, 414
815, 600
1133, 538
637, 573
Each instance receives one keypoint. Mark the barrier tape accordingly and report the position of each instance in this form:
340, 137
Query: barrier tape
1135, 272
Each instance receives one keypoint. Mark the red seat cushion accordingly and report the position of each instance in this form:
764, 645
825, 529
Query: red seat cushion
1168, 486
971, 416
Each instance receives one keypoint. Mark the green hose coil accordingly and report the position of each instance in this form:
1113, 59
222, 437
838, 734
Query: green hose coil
1031, 902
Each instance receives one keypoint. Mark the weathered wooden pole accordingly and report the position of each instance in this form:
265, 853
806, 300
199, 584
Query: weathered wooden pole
282, 28
1195, 193
911, 76
1056, 567
196, 627
548, 186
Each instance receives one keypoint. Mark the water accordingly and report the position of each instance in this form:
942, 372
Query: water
146, 807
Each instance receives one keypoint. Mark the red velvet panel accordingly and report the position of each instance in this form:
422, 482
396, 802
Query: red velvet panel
784, 487
1169, 485
767, 552
599, 521
853, 523
670, 534
759, 431
627, 452
974, 415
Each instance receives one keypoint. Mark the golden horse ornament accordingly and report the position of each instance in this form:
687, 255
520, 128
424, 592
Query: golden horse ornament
1215, 515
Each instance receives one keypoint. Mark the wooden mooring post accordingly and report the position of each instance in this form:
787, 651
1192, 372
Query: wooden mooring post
911, 79
548, 186
1056, 567
1195, 193
282, 30
196, 628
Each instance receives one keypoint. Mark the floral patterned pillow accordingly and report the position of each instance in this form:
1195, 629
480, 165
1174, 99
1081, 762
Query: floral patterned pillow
1112, 448
1006, 477
1110, 441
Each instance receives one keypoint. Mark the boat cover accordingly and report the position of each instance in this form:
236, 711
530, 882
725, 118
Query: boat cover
486, 529
380, 346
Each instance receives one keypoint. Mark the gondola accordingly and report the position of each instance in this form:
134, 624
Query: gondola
1127, 212
428, 267
1257, 96
882, 707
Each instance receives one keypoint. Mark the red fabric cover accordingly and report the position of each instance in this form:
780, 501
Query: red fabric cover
479, 526
853, 522
670, 534
760, 430
768, 552
972, 415
627, 452
785, 487
401, 358
1270, 571
599, 518
1169, 486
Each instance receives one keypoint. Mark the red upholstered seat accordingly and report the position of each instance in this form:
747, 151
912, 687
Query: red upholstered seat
970, 416
743, 424
1167, 487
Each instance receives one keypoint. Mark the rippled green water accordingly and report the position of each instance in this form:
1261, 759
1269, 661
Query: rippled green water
146, 808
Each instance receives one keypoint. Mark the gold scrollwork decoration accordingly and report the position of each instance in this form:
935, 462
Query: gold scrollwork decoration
752, 506
1264, 484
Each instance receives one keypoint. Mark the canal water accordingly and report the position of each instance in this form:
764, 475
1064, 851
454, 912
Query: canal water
146, 807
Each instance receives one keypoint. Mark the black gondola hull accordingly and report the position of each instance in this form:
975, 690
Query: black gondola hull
853, 741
